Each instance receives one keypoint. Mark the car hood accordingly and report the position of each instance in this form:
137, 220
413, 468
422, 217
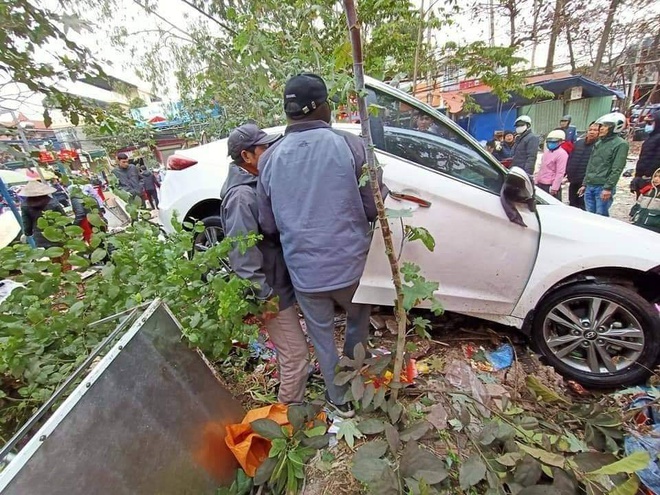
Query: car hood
597, 237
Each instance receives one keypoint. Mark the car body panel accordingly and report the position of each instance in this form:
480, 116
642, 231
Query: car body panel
486, 266
574, 241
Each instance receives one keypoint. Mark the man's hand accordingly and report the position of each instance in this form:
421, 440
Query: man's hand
605, 195
270, 309
553, 192
581, 191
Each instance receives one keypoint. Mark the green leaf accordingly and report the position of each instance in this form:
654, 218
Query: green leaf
54, 252
371, 426
297, 417
368, 397
634, 462
379, 398
629, 487
542, 391
403, 213
316, 442
392, 437
415, 432
98, 255
367, 469
549, 458
417, 462
77, 307
357, 387
416, 288
53, 234
394, 410
95, 219
374, 449
75, 260
47, 120
265, 471
471, 472
316, 431
421, 234
267, 428
349, 432
343, 377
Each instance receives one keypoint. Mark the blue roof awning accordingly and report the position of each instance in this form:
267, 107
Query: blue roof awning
590, 89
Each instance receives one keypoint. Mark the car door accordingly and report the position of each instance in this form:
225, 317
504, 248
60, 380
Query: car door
481, 260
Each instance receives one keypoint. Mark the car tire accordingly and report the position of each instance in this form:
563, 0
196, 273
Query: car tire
213, 234
602, 336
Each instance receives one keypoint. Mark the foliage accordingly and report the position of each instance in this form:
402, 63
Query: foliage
117, 129
45, 331
292, 446
242, 53
510, 449
493, 66
27, 30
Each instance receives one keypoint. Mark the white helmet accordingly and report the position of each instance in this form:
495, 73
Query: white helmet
524, 119
556, 135
615, 119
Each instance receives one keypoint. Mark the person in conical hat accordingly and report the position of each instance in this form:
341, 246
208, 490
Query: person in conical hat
37, 200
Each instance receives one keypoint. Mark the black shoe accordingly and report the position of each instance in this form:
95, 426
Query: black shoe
342, 410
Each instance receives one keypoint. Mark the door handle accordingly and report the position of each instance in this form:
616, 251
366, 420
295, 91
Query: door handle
409, 197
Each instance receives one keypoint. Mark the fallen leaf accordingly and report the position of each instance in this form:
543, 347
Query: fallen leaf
542, 391
471, 472
438, 417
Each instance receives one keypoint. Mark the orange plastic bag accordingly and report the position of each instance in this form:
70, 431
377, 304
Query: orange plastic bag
249, 448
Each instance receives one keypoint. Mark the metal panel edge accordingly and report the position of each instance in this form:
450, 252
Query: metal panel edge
58, 415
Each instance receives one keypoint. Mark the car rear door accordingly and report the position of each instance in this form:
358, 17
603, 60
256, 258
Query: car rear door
481, 260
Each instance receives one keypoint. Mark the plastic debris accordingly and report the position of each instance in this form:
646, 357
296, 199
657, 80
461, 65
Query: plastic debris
649, 443
483, 360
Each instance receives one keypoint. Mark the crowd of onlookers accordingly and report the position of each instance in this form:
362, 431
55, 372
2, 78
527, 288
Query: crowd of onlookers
591, 164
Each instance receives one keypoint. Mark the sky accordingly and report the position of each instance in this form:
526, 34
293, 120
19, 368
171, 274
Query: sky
467, 28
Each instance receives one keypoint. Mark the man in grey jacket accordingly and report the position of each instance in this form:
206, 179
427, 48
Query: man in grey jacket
526, 147
309, 192
128, 176
263, 264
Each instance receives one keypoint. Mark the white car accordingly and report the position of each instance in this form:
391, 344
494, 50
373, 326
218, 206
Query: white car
585, 288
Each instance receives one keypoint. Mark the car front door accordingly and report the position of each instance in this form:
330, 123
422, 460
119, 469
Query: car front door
481, 260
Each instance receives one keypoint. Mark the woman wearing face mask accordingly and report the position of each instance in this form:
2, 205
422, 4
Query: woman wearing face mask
553, 164
649, 157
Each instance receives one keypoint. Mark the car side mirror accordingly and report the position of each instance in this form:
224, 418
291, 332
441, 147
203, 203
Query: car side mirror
517, 188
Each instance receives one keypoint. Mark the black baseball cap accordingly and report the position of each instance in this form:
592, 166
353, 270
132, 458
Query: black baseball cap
303, 94
245, 137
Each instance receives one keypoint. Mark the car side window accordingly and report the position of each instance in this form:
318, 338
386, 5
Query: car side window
423, 139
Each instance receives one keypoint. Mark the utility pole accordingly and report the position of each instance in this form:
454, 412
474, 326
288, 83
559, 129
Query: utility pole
26, 145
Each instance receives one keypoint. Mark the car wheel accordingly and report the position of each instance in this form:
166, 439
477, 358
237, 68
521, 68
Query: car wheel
212, 234
599, 335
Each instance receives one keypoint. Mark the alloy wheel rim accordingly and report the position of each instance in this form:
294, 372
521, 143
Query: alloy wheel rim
593, 334
207, 239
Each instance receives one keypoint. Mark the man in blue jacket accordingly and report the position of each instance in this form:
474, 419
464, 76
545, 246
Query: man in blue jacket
263, 264
309, 192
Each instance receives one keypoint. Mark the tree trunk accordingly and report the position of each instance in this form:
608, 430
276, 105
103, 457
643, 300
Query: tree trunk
535, 25
571, 53
605, 37
418, 46
554, 35
358, 74
512, 22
